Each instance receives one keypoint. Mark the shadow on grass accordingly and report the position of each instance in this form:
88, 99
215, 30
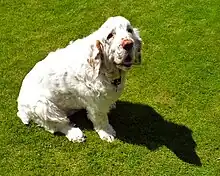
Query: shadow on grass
141, 125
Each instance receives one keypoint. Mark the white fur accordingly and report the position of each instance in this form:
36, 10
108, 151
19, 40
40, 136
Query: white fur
79, 76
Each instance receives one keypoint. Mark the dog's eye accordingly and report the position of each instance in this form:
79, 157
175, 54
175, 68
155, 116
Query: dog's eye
110, 36
130, 30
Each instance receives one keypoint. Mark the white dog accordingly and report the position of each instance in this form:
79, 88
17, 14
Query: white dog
88, 74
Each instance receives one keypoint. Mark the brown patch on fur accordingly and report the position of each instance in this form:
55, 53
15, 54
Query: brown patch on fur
99, 45
92, 60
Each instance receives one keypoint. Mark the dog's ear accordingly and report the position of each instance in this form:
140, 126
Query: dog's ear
95, 58
138, 47
99, 46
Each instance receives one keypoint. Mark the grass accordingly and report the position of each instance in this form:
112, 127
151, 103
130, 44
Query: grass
168, 118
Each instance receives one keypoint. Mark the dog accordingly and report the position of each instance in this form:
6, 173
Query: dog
89, 73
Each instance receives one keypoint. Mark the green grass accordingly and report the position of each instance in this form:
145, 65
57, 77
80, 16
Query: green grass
168, 118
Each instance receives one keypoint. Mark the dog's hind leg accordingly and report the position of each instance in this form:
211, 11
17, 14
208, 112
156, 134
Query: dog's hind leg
23, 115
54, 120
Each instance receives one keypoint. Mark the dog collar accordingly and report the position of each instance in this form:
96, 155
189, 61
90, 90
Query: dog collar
116, 82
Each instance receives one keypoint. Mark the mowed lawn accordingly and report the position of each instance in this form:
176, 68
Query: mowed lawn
168, 117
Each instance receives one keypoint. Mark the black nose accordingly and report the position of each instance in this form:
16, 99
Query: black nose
127, 44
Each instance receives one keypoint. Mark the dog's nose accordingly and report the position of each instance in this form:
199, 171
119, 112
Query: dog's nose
127, 44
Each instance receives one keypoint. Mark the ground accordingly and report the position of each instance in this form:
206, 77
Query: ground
168, 118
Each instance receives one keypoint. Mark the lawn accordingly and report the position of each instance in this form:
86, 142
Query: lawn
168, 117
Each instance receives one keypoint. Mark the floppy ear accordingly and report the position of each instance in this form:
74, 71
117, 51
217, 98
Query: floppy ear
138, 45
95, 59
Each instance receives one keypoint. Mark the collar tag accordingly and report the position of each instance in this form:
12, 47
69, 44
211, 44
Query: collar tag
116, 82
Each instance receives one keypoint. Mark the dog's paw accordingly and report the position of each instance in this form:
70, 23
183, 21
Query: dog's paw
113, 106
75, 135
108, 134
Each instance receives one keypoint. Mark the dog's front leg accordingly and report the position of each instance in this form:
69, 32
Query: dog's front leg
101, 125
113, 106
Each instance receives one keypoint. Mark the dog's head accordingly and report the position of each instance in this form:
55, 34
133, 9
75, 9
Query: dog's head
121, 42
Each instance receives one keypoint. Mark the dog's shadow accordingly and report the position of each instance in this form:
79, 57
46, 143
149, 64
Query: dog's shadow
141, 125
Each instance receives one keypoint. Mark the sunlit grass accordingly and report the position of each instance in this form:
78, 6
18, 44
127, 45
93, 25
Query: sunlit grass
168, 117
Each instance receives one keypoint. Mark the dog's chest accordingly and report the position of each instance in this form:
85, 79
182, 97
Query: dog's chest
110, 90
100, 93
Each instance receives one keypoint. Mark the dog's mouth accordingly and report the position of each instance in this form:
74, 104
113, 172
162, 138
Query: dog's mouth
127, 61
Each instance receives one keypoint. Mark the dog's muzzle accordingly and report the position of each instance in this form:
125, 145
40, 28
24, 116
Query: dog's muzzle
127, 62
127, 45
